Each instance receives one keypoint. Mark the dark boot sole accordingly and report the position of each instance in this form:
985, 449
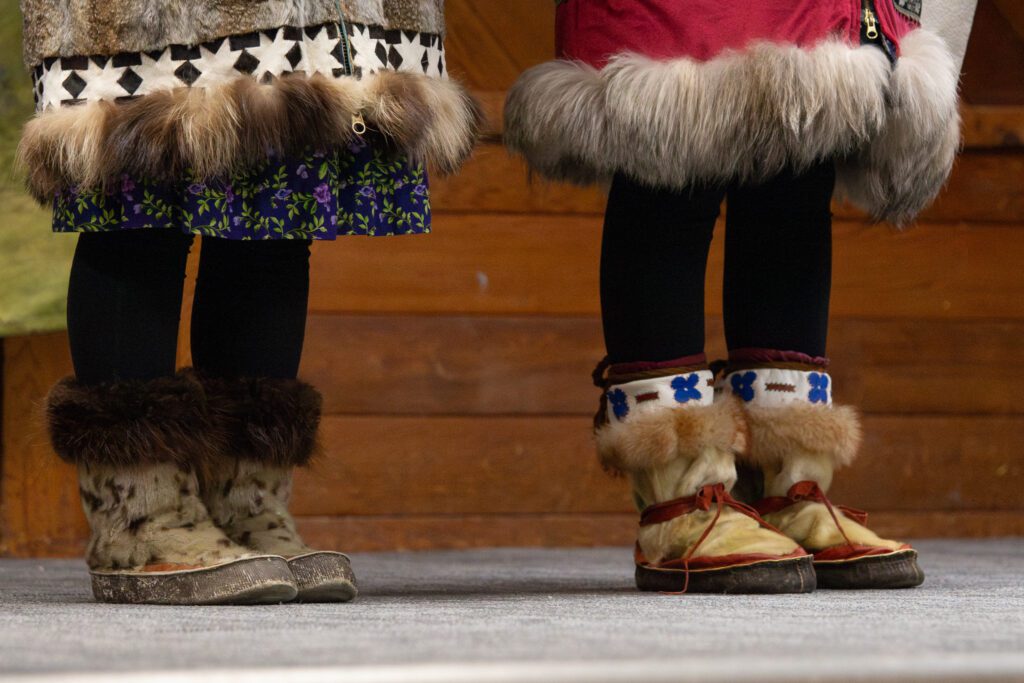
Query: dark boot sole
251, 581
794, 575
894, 570
324, 577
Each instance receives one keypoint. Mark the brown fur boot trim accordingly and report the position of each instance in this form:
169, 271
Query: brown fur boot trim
127, 423
270, 421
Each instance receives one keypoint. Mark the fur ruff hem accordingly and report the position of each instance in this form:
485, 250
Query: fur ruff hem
129, 423
273, 422
777, 434
748, 115
654, 439
213, 131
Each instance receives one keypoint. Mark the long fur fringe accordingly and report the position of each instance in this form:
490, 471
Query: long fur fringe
776, 433
748, 115
132, 422
271, 421
652, 440
217, 130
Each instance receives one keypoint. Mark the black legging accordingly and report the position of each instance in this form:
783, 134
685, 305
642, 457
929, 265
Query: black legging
125, 295
778, 266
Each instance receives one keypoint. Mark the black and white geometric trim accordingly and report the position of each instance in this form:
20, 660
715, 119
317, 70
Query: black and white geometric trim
263, 55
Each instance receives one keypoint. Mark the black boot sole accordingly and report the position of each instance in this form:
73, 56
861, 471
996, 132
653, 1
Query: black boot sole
250, 581
795, 575
893, 570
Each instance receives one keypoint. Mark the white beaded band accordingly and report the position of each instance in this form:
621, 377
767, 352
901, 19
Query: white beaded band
672, 391
778, 387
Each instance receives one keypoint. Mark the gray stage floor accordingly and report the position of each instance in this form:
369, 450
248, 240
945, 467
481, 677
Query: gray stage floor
531, 615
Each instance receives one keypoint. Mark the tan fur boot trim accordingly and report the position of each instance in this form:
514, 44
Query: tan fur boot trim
149, 516
801, 443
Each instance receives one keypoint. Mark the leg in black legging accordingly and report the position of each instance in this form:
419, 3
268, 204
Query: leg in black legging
653, 261
124, 304
778, 262
249, 315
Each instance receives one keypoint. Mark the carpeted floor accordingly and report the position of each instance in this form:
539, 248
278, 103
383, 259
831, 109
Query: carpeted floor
531, 615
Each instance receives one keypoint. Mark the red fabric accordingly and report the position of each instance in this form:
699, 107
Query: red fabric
775, 356
594, 30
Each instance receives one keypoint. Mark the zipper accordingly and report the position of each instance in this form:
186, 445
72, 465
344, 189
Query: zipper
871, 30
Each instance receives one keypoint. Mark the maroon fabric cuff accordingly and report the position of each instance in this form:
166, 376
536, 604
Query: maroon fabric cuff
648, 366
775, 356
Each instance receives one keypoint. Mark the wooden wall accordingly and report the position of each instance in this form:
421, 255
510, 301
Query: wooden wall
455, 367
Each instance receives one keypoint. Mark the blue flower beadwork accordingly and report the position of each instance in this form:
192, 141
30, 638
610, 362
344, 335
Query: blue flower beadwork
620, 403
686, 388
743, 385
819, 387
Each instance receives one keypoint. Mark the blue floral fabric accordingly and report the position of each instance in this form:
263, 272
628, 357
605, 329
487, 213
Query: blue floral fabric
358, 190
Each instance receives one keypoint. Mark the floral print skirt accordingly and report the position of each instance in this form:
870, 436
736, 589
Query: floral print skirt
358, 190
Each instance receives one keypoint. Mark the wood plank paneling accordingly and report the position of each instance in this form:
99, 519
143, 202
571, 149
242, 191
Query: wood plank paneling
984, 187
534, 465
512, 264
435, 365
39, 506
425, 532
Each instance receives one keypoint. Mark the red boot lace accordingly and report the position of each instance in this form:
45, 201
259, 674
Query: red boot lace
710, 494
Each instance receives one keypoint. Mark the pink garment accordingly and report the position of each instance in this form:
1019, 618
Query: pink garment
592, 31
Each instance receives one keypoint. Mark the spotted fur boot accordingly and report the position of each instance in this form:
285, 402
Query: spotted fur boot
798, 439
138, 446
678, 447
270, 427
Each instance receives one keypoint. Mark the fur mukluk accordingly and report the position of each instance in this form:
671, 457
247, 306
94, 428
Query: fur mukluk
212, 131
273, 422
747, 115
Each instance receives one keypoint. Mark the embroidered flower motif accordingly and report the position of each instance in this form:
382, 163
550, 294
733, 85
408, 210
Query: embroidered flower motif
686, 388
620, 403
302, 171
127, 184
322, 193
196, 188
819, 387
743, 385
283, 193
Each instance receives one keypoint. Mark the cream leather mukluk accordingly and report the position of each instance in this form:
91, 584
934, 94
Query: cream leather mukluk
153, 88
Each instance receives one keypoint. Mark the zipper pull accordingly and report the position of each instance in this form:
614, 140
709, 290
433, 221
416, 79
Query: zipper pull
358, 124
870, 23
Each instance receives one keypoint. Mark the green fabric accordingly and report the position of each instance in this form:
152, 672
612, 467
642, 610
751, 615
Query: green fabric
34, 262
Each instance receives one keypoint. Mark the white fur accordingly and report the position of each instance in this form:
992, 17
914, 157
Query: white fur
747, 115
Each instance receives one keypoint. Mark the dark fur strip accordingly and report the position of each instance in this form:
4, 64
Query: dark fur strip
127, 423
217, 130
274, 421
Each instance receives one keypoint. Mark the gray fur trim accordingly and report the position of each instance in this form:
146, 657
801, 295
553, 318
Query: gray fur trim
747, 116
217, 130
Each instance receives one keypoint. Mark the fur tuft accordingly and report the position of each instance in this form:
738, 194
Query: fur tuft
747, 116
270, 421
132, 422
654, 439
780, 433
905, 167
214, 131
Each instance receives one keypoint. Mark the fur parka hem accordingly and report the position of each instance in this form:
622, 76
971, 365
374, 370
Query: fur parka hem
747, 115
212, 131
